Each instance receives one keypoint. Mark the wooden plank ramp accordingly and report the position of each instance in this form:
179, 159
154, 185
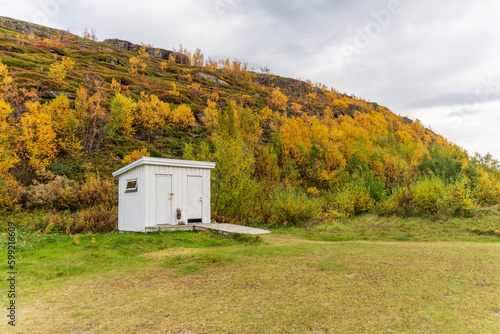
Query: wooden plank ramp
223, 228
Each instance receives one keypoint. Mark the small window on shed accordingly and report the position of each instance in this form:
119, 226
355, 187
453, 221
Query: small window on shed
131, 186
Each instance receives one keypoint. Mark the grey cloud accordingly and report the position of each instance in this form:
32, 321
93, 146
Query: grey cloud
423, 60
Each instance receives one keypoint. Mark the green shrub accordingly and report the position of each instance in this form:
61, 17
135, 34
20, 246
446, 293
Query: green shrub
375, 187
487, 191
233, 188
442, 162
398, 203
428, 195
292, 207
460, 196
69, 170
352, 199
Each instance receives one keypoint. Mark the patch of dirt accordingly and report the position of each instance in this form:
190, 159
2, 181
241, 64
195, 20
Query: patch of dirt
283, 239
170, 252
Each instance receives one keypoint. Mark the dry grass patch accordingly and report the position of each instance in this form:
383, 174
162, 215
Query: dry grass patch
170, 252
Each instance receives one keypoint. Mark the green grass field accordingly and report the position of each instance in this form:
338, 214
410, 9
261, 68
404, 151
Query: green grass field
285, 282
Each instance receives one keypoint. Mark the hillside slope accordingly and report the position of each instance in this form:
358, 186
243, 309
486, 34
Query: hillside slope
73, 110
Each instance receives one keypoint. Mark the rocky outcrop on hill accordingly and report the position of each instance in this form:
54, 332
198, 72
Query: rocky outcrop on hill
154, 52
407, 120
211, 78
27, 28
292, 85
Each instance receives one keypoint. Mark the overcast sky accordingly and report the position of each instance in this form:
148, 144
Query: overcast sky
435, 60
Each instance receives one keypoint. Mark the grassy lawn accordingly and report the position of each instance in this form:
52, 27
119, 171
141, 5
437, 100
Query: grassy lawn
185, 282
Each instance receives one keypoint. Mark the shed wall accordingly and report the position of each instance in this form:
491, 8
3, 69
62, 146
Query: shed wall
131, 205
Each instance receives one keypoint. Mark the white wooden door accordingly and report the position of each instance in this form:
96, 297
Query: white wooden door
163, 199
195, 201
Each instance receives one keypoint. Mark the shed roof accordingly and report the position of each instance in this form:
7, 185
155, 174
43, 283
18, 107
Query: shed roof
165, 162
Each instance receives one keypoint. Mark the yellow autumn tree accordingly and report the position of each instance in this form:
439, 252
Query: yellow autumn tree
403, 137
277, 100
173, 91
171, 59
340, 105
296, 138
373, 123
8, 157
59, 70
38, 137
134, 63
265, 115
152, 115
266, 165
183, 116
116, 87
198, 59
65, 123
138, 63
163, 65
8, 91
135, 155
249, 124
211, 113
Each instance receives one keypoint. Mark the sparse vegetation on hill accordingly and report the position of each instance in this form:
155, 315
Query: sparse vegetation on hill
72, 110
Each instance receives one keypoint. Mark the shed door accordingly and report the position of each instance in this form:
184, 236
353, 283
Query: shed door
195, 201
163, 199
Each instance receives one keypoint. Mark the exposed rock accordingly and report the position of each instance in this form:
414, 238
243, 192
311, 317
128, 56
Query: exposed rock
212, 78
52, 94
126, 45
338, 113
154, 52
407, 120
292, 85
27, 28
57, 52
111, 61
10, 48
200, 117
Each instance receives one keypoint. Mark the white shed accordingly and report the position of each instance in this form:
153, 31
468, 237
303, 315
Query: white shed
152, 189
